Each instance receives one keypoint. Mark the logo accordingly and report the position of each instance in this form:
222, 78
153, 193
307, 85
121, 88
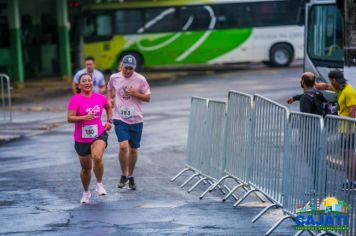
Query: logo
95, 110
328, 214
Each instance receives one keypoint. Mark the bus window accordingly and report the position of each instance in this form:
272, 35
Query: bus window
201, 17
325, 33
161, 20
97, 27
128, 21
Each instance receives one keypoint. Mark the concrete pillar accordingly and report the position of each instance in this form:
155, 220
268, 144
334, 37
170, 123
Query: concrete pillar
16, 66
350, 41
64, 44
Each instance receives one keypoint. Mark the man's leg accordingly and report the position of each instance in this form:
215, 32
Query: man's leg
132, 161
135, 140
124, 157
122, 133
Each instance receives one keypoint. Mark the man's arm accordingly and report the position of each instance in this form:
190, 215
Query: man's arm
143, 97
352, 111
324, 86
294, 98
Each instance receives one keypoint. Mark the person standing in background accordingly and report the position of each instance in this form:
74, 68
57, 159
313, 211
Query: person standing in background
97, 76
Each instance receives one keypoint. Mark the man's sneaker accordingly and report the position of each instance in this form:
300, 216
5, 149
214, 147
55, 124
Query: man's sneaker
85, 198
123, 182
100, 190
132, 184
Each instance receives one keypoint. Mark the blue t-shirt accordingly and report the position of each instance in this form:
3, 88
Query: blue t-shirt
98, 78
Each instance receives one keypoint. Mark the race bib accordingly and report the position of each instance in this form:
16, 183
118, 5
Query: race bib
126, 112
90, 131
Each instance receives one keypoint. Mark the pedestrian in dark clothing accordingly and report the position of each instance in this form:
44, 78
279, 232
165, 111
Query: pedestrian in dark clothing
311, 100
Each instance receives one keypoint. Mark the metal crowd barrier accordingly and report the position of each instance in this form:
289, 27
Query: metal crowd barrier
5, 92
212, 166
304, 176
196, 134
340, 181
238, 139
270, 121
291, 158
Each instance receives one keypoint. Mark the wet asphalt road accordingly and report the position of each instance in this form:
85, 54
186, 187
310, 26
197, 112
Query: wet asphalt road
39, 174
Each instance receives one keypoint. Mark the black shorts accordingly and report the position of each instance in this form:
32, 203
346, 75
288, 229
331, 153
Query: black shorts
84, 149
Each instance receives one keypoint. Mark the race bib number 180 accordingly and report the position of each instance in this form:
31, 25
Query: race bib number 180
90, 131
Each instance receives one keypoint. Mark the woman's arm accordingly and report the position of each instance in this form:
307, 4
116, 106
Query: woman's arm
108, 111
73, 118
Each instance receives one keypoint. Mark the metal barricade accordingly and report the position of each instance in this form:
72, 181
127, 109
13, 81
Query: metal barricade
212, 166
196, 134
5, 92
238, 139
304, 172
340, 182
270, 135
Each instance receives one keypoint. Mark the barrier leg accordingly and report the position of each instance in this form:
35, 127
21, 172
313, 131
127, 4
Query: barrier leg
258, 196
196, 184
189, 179
217, 183
263, 212
180, 173
231, 192
277, 224
302, 231
328, 233
233, 195
244, 196
205, 192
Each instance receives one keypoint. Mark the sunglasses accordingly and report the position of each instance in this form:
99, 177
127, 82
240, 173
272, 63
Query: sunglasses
128, 68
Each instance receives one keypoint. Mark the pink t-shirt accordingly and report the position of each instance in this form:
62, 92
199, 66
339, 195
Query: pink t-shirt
128, 108
86, 131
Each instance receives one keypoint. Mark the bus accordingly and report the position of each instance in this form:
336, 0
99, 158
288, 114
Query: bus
175, 33
324, 49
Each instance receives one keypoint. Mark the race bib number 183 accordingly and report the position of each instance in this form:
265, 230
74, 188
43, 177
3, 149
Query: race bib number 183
126, 112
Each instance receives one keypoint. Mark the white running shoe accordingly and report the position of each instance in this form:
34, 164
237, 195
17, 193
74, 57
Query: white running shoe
100, 190
85, 198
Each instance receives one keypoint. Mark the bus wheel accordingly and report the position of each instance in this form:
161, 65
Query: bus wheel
280, 55
138, 58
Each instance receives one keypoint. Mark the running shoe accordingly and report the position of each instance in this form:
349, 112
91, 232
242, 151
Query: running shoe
123, 182
85, 198
100, 190
132, 184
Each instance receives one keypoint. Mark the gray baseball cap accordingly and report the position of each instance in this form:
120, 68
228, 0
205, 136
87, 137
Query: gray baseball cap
129, 61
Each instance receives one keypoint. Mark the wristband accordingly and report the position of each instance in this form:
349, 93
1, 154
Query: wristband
109, 121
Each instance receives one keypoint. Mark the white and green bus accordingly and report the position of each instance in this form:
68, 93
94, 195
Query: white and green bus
172, 33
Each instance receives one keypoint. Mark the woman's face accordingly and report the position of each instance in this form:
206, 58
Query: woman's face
86, 83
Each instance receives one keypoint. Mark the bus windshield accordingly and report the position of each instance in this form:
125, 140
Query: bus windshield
325, 34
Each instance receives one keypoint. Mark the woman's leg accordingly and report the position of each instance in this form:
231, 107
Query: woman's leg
85, 173
97, 152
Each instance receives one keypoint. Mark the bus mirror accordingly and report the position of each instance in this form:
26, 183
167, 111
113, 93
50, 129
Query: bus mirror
301, 16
